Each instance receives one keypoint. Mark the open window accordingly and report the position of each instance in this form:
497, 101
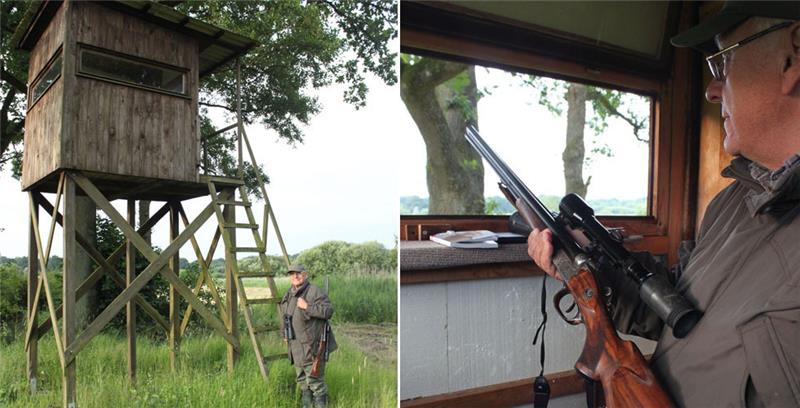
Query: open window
46, 78
128, 70
523, 62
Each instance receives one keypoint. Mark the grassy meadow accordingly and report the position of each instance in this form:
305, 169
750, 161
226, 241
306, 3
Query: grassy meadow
354, 378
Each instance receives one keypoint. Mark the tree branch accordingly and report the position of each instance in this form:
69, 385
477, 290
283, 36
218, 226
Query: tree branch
637, 126
430, 72
213, 105
13, 81
5, 125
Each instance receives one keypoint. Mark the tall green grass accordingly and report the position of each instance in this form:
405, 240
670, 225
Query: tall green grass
202, 379
357, 298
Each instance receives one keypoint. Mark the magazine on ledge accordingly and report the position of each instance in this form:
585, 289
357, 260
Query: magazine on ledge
466, 239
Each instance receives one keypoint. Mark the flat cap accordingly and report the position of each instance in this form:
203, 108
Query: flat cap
298, 267
733, 13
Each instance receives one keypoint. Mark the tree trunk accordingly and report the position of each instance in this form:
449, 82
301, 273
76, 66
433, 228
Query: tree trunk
574, 151
85, 224
454, 169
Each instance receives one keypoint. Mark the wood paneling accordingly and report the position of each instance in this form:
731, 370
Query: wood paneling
506, 394
712, 154
109, 128
125, 130
470, 272
41, 155
51, 39
43, 121
107, 28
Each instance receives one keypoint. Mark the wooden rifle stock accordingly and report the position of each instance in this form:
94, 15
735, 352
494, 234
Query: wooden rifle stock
323, 346
616, 364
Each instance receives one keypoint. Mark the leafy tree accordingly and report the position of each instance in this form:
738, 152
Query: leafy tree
304, 46
605, 104
344, 258
14, 67
442, 98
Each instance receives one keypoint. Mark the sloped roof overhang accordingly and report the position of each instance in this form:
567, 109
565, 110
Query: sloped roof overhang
217, 45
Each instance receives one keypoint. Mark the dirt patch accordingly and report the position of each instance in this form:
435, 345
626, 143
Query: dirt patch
377, 341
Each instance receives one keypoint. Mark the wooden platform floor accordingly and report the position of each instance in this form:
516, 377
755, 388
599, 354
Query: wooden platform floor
114, 186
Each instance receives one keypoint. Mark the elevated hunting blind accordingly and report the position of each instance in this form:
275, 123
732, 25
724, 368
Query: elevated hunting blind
113, 91
113, 114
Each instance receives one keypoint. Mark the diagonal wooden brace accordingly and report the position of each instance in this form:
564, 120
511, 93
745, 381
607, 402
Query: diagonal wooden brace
104, 266
157, 265
43, 275
204, 275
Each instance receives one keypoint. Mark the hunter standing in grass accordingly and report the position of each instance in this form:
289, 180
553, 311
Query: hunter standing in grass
306, 310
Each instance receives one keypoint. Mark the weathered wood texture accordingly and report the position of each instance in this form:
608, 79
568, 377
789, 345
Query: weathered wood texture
112, 128
49, 42
617, 364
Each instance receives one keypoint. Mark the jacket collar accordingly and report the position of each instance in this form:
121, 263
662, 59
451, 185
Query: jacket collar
770, 191
300, 290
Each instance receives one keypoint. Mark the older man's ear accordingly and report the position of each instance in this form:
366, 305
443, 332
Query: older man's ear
791, 71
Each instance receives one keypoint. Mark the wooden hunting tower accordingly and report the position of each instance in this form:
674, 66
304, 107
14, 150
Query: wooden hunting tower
113, 91
113, 114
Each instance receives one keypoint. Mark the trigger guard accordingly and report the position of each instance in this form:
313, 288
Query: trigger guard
557, 303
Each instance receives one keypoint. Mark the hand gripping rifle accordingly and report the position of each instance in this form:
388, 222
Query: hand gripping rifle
581, 244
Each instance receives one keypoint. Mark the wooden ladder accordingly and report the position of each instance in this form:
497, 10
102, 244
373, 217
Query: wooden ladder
226, 228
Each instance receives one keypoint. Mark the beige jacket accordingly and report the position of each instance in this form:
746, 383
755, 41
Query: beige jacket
744, 275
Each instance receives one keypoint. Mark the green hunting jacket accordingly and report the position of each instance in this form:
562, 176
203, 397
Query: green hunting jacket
308, 324
744, 275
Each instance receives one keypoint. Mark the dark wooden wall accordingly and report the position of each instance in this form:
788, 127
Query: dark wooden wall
43, 121
116, 129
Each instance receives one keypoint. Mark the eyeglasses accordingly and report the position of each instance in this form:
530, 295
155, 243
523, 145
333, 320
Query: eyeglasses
716, 62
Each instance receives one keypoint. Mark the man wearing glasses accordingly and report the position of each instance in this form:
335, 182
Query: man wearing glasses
744, 272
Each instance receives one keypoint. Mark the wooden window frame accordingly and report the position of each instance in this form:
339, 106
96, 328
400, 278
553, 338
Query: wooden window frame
673, 153
56, 55
143, 61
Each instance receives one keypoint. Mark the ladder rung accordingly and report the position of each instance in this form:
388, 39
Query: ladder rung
239, 225
263, 301
229, 202
255, 275
247, 249
222, 180
265, 329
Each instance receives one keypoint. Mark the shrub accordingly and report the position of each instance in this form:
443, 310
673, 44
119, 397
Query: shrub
343, 258
12, 299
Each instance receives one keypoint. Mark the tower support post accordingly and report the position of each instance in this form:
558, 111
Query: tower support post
69, 289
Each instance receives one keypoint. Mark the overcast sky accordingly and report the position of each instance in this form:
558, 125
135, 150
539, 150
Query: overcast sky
530, 140
340, 184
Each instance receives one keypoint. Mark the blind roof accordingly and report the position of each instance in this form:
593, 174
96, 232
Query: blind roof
217, 45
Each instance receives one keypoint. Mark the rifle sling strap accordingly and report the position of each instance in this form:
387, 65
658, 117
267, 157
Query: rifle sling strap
541, 387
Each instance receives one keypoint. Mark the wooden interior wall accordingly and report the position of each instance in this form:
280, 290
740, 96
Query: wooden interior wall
118, 129
43, 120
712, 155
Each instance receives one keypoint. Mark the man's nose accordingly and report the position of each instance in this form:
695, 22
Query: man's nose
714, 91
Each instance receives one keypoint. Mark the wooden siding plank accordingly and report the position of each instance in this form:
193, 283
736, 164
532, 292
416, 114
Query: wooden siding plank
125, 130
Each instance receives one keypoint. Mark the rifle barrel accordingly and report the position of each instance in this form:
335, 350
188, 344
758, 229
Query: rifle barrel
520, 190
